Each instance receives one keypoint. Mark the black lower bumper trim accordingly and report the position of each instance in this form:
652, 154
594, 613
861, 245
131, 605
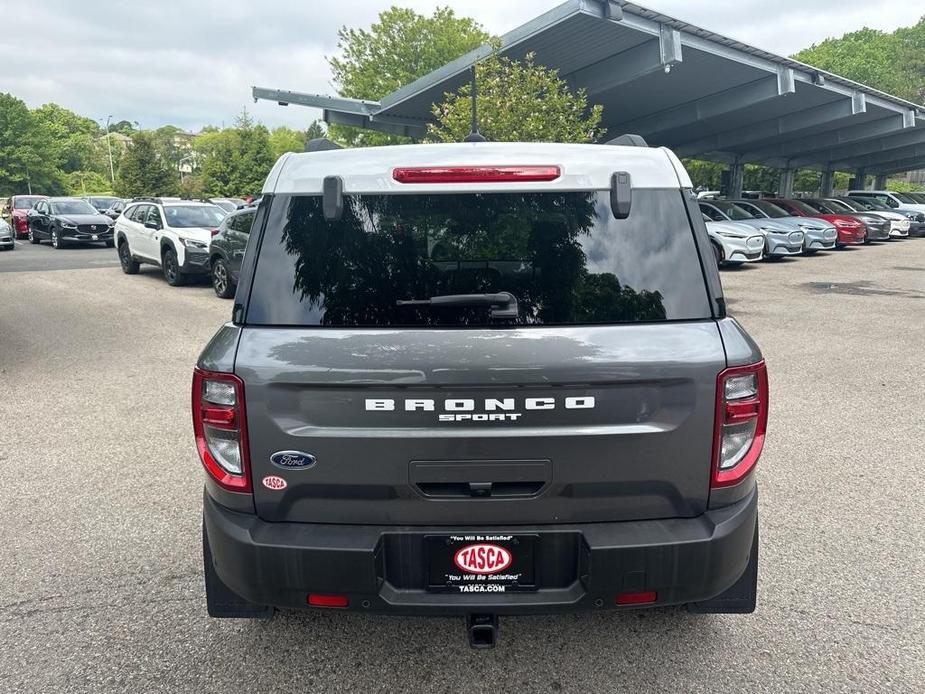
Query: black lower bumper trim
682, 559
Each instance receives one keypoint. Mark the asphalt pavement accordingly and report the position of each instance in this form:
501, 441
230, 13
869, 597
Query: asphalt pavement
26, 257
101, 493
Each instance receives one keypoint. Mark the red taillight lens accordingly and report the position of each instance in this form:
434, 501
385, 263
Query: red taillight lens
220, 427
214, 232
741, 422
475, 174
317, 600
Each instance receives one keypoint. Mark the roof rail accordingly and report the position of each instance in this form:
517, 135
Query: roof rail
320, 144
146, 199
628, 140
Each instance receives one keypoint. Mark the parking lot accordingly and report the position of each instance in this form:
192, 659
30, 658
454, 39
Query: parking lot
100, 520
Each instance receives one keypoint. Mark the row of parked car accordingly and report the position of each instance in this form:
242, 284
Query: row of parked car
185, 238
196, 238
748, 230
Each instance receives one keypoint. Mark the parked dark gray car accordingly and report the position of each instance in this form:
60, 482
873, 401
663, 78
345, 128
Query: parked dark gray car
226, 250
480, 379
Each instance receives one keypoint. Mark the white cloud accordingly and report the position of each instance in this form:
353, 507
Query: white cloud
192, 63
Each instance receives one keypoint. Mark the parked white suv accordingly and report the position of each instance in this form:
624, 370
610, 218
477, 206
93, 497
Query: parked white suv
898, 201
173, 235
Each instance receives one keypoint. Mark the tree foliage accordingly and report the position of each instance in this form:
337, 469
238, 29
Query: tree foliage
396, 50
235, 161
144, 169
284, 140
892, 62
518, 101
25, 154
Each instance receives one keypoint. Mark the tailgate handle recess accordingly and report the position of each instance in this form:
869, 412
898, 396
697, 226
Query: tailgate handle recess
480, 479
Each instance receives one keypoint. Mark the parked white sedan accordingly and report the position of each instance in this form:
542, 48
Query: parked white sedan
734, 244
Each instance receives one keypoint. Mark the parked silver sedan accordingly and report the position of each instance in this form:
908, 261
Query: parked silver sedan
818, 234
734, 244
7, 242
779, 239
898, 224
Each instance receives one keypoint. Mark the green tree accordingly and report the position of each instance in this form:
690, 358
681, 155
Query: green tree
284, 140
235, 161
27, 158
144, 170
705, 175
315, 130
86, 183
72, 138
396, 50
518, 101
892, 62
124, 127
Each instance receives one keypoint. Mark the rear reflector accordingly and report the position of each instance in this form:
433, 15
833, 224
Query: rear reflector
637, 598
475, 174
741, 422
317, 600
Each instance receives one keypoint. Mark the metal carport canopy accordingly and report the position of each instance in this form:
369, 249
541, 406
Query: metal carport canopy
700, 93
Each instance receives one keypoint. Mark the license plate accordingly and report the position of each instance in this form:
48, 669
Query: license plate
95, 237
481, 563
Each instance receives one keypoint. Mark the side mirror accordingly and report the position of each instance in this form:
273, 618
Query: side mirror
621, 194
152, 225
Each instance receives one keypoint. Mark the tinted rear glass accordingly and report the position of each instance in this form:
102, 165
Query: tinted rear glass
562, 255
25, 203
192, 216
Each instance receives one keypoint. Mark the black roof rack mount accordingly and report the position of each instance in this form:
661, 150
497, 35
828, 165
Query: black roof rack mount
320, 144
628, 140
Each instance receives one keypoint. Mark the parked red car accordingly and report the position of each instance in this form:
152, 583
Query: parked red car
851, 230
19, 206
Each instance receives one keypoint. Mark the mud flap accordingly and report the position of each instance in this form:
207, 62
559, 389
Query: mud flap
741, 597
221, 601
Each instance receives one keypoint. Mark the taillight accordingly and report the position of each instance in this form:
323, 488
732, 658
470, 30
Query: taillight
214, 232
220, 426
741, 422
475, 174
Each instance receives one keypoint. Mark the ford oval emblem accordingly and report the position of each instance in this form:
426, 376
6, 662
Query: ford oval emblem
292, 460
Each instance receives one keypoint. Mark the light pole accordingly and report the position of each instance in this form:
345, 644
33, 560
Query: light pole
112, 170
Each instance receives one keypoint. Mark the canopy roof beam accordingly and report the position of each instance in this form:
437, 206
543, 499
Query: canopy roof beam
712, 106
833, 112
893, 145
655, 55
884, 160
833, 138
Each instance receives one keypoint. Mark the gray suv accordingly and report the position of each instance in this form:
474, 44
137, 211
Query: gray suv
479, 379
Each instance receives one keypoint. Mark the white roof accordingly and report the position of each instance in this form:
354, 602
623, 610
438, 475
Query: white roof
583, 167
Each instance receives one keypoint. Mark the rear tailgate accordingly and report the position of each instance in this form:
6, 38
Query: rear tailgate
514, 426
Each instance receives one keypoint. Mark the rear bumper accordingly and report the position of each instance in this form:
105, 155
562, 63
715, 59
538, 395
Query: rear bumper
383, 568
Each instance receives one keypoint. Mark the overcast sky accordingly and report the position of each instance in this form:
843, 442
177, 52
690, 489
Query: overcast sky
192, 63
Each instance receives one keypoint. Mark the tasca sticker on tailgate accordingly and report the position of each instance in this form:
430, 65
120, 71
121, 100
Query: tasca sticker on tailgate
274, 483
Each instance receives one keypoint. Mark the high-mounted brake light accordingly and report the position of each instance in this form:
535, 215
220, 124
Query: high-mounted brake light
220, 427
741, 422
475, 174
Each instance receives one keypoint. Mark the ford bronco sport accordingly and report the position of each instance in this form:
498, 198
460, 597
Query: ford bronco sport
479, 379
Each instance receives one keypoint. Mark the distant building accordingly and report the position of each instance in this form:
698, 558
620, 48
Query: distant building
916, 177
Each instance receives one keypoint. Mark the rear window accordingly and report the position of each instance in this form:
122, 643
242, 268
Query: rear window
192, 216
25, 203
561, 255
